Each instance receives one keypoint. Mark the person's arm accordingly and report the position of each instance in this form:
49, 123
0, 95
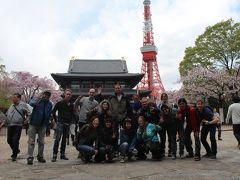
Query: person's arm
55, 109
229, 114
133, 143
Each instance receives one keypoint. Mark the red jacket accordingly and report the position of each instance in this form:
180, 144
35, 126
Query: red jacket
190, 114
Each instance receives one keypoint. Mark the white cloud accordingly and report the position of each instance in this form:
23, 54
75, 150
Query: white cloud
41, 36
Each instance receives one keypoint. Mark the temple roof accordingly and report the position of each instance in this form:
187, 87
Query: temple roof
87, 66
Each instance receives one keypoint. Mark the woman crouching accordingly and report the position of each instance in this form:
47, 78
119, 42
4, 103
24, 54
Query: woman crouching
148, 139
127, 140
87, 137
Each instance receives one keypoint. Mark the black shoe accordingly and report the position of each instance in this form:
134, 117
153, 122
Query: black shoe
30, 160
41, 160
54, 158
197, 158
14, 158
213, 157
207, 155
63, 157
220, 139
189, 155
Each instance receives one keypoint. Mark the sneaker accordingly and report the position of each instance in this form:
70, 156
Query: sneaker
30, 160
41, 160
54, 158
63, 157
220, 139
174, 157
122, 160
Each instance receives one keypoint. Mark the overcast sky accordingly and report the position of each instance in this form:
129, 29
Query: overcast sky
41, 36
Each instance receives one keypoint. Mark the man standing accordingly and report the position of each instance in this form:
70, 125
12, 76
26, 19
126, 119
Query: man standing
187, 116
120, 107
65, 117
86, 104
16, 117
40, 119
234, 112
209, 122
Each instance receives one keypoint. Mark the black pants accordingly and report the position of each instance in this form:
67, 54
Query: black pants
143, 148
177, 130
13, 137
166, 129
204, 132
188, 142
103, 152
236, 132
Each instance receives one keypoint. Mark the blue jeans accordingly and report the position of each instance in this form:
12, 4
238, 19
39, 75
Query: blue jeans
124, 149
86, 150
13, 137
204, 132
62, 131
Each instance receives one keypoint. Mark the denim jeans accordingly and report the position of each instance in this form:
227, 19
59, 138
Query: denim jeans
124, 149
32, 131
188, 142
86, 150
13, 137
204, 132
62, 132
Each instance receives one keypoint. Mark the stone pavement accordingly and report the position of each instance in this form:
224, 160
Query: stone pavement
227, 165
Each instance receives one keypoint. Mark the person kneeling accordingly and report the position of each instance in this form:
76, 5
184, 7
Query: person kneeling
127, 140
106, 138
86, 138
147, 139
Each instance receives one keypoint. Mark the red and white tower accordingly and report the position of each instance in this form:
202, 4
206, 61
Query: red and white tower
151, 80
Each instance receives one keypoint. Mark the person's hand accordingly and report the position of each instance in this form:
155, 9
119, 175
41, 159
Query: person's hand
161, 120
96, 151
99, 90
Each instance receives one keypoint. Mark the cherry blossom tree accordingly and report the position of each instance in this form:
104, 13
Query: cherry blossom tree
210, 83
30, 85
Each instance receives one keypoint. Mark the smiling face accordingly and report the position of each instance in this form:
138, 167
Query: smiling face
182, 105
200, 106
141, 121
95, 122
128, 125
105, 106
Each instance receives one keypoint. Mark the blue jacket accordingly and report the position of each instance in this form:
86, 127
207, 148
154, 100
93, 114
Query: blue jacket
128, 136
149, 133
40, 116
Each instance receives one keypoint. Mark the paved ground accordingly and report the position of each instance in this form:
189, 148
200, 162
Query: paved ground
225, 167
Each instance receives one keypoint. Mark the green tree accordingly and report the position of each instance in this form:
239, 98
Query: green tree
217, 48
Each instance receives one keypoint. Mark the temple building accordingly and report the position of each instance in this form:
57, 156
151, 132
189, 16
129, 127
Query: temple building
84, 74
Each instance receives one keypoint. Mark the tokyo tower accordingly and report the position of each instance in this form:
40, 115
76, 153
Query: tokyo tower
151, 80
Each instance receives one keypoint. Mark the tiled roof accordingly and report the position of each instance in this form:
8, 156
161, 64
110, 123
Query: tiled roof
97, 66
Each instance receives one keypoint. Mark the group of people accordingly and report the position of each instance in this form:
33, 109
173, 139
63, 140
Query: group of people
101, 129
